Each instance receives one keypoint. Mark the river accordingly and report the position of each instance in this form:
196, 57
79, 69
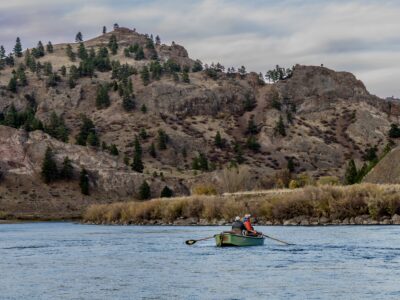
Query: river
73, 261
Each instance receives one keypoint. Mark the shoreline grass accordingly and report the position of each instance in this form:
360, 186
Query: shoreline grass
332, 202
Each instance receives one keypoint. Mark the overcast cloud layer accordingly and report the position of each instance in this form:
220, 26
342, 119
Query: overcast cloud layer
362, 37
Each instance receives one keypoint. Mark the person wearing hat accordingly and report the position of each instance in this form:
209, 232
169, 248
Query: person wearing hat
248, 226
238, 226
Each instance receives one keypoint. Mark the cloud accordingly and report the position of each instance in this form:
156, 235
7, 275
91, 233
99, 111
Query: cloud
359, 36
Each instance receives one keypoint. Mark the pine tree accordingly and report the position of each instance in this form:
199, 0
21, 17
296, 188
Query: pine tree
18, 48
86, 127
155, 70
218, 142
113, 44
351, 173
137, 164
203, 162
144, 191
114, 150
394, 131
362, 172
21, 76
280, 127
238, 153
57, 128
102, 98
74, 72
84, 182
371, 154
71, 82
79, 37
2, 52
40, 49
162, 140
253, 144
145, 75
48, 68
2, 57
158, 40
166, 192
252, 127
143, 134
67, 170
82, 53
49, 168
70, 53
152, 150
139, 54
93, 139
12, 84
11, 117
92, 55
290, 165
249, 103
49, 47
143, 108
197, 66
63, 70
128, 102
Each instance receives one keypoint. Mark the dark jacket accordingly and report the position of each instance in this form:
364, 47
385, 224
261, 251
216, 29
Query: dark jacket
238, 225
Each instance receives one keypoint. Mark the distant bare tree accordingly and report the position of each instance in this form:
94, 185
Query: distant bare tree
236, 179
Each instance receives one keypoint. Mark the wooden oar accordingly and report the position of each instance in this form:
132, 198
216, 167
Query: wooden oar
191, 242
270, 237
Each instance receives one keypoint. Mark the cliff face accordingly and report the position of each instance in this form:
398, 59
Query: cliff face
328, 118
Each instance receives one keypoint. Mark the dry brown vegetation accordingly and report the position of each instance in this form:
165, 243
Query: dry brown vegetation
333, 202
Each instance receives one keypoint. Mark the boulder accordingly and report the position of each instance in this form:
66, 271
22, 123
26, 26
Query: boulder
396, 219
323, 220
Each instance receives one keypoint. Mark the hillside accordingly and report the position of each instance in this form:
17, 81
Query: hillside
327, 118
387, 170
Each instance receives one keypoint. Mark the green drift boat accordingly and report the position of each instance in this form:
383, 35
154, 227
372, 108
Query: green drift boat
226, 239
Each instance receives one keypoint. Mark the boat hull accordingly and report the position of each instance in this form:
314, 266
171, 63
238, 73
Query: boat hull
226, 239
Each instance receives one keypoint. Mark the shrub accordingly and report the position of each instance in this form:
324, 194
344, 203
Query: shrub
328, 180
293, 184
144, 191
204, 189
394, 131
166, 192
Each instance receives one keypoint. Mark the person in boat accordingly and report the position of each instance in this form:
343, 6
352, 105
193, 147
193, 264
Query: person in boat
247, 224
238, 226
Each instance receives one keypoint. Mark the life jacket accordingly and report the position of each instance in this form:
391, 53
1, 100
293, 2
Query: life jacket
247, 224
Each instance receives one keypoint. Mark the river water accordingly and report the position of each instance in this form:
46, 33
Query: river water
72, 261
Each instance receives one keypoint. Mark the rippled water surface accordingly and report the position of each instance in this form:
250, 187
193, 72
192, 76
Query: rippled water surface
71, 261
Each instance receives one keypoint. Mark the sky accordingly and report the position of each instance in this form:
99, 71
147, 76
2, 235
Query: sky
362, 37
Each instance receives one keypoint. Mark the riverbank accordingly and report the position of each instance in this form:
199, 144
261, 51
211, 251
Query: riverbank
364, 204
